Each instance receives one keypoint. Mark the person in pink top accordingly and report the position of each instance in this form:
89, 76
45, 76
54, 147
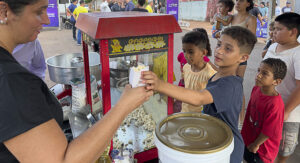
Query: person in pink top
181, 59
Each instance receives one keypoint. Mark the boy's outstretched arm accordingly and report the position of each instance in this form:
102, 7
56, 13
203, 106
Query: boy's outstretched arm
189, 96
293, 101
251, 25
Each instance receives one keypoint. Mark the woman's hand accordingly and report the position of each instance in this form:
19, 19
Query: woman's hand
151, 80
132, 98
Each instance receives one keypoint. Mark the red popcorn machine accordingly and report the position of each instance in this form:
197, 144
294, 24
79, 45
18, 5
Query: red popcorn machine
130, 41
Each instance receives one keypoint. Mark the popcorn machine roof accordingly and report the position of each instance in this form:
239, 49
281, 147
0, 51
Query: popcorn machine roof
106, 25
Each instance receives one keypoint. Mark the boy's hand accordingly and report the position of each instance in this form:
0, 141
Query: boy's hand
253, 147
151, 80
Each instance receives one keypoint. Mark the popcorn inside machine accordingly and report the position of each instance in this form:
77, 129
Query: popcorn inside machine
128, 43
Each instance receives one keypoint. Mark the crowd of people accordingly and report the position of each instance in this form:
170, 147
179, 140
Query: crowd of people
30, 115
111, 6
269, 131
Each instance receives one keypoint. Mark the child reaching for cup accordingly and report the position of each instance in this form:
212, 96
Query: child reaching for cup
197, 71
222, 97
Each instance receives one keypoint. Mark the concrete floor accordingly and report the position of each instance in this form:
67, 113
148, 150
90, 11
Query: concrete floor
55, 42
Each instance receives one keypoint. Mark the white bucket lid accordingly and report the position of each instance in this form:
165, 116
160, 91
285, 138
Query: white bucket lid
194, 133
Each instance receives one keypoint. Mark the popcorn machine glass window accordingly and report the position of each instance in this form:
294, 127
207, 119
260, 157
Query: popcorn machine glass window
130, 56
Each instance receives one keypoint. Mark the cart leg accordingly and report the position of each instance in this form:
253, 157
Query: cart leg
87, 74
170, 70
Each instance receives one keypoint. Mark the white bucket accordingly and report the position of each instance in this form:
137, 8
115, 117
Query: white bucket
169, 155
193, 138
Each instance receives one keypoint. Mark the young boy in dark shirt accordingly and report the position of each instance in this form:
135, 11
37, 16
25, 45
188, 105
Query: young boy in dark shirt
264, 117
223, 94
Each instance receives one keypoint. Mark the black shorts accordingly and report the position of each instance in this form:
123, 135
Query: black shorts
251, 157
243, 63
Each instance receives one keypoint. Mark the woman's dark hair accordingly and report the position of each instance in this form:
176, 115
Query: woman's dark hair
17, 6
263, 3
251, 5
199, 38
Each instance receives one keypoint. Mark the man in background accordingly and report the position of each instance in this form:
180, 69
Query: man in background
263, 10
104, 6
140, 6
129, 5
255, 12
77, 11
277, 10
111, 3
287, 8
70, 11
117, 6
149, 6
155, 6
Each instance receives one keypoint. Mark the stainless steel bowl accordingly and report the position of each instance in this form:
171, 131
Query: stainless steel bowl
65, 67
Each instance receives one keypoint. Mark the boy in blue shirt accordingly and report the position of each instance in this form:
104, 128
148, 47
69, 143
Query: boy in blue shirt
70, 10
222, 97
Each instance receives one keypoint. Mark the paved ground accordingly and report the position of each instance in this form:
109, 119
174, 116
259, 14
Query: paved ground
55, 42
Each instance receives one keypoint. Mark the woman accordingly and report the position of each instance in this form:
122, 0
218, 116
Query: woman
244, 19
30, 116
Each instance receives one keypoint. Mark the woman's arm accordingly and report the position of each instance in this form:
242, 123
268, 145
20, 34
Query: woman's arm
251, 24
47, 143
